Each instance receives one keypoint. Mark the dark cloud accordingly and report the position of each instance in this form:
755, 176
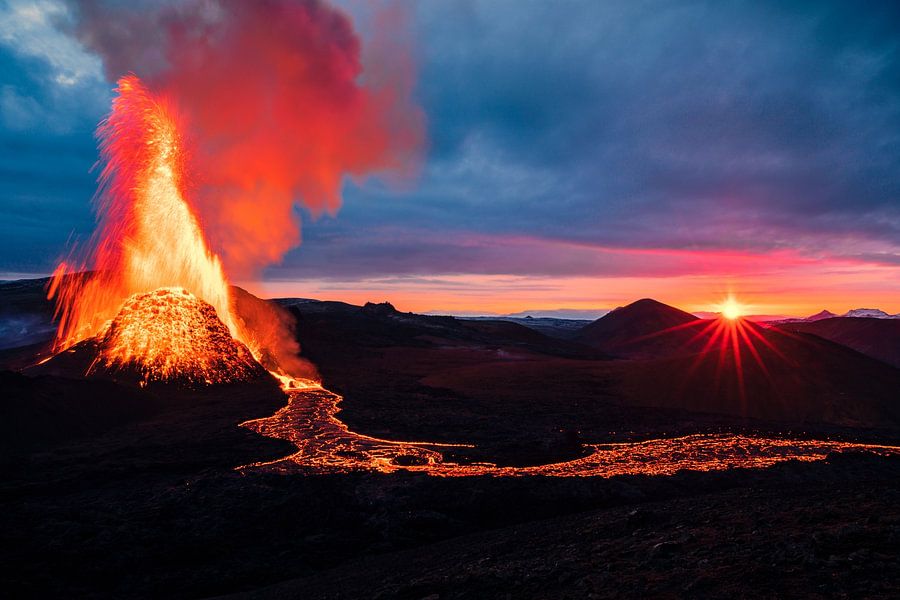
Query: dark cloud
680, 106
752, 126
46, 153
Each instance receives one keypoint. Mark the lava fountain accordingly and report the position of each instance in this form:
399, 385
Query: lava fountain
283, 102
149, 239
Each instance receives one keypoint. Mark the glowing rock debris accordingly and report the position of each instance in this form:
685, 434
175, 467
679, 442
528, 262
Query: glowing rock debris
170, 335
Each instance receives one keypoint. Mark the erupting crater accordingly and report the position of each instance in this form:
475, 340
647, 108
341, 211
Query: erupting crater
170, 335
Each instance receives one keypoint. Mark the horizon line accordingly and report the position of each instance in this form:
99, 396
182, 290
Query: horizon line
576, 313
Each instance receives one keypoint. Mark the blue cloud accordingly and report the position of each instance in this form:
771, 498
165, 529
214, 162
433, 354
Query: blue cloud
719, 124
46, 153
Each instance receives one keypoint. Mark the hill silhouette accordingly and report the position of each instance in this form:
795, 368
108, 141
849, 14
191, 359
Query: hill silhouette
751, 371
878, 338
645, 328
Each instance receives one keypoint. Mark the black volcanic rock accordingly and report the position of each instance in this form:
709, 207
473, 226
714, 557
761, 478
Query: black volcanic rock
381, 308
104, 477
777, 375
813, 539
878, 338
36, 412
330, 330
564, 329
644, 328
448, 379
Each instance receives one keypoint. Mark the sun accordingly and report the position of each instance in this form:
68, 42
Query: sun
731, 309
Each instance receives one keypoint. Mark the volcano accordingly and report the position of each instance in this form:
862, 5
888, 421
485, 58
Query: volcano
643, 329
164, 336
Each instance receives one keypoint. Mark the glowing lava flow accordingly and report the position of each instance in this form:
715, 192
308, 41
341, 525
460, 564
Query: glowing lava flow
325, 444
148, 239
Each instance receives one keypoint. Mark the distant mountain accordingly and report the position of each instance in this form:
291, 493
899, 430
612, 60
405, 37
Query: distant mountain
787, 375
645, 328
557, 328
567, 314
824, 314
872, 336
705, 314
577, 314
869, 313
856, 313
819, 316
321, 327
751, 370
26, 316
390, 365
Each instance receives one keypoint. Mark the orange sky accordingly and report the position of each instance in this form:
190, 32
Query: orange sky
774, 283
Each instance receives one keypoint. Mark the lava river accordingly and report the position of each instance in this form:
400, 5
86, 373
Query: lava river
325, 444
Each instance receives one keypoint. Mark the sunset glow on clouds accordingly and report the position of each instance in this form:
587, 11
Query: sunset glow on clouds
576, 158
776, 283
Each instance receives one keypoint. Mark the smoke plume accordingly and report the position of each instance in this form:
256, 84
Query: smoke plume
277, 105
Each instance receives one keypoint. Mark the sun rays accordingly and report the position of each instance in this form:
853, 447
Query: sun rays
732, 309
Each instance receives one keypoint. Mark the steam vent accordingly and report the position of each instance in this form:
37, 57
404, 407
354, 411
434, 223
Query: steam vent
170, 335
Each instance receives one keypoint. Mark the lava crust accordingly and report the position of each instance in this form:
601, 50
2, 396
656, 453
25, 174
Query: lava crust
170, 335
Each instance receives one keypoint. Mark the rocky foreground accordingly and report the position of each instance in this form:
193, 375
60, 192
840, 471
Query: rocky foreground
109, 490
746, 542
148, 503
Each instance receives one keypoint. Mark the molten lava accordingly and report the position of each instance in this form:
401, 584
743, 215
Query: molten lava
326, 445
171, 335
149, 239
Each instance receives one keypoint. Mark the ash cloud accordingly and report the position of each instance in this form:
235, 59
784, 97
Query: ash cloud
281, 104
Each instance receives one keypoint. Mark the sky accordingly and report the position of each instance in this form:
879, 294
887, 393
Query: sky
579, 155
